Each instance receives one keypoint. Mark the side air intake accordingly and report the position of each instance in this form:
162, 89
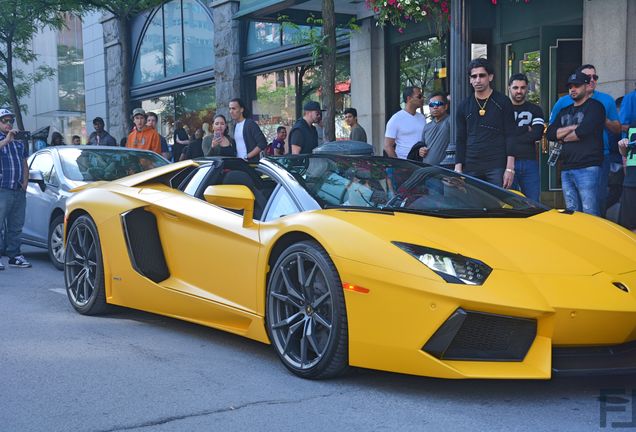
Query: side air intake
144, 244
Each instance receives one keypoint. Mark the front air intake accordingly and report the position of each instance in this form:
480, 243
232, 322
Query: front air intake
479, 336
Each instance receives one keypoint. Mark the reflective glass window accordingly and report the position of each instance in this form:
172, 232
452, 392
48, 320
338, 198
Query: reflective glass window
70, 65
174, 38
149, 64
198, 30
282, 205
43, 163
262, 36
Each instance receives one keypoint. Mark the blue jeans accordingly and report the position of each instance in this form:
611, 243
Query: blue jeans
492, 176
580, 189
527, 178
12, 209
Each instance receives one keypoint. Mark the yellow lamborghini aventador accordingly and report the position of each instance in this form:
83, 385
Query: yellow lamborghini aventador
362, 261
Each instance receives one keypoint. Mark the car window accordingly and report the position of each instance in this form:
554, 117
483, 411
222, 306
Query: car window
281, 205
43, 162
195, 180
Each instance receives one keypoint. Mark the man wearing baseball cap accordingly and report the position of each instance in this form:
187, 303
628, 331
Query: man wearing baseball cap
14, 177
578, 128
143, 137
303, 137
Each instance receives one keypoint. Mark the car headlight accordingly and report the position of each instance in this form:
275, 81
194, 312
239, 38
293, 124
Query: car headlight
453, 268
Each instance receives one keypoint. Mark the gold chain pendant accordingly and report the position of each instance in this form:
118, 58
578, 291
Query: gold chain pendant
482, 112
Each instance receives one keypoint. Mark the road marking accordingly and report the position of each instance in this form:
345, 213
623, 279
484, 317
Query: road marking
58, 290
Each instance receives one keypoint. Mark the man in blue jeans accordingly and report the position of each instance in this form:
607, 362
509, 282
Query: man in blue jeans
529, 119
14, 175
579, 129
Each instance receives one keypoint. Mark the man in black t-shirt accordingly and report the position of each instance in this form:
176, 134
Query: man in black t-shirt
579, 129
181, 140
529, 120
485, 128
303, 137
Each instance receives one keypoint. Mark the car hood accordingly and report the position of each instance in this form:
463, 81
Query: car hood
548, 243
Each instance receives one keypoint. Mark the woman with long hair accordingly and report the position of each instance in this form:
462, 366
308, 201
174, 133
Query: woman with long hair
222, 144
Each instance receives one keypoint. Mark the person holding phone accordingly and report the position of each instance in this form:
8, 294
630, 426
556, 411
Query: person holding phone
14, 177
222, 143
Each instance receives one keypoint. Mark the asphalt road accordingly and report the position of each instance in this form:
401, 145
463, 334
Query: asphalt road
133, 371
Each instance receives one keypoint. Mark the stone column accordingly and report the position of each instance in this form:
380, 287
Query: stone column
367, 80
460, 57
227, 54
118, 119
609, 38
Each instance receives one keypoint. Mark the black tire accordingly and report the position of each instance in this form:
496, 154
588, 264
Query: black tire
55, 242
306, 317
84, 268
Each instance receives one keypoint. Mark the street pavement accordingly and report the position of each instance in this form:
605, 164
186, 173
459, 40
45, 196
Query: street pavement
134, 371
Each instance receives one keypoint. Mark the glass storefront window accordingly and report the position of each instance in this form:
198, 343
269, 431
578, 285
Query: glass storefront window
277, 92
193, 107
197, 29
423, 64
262, 36
149, 64
70, 66
174, 39
187, 29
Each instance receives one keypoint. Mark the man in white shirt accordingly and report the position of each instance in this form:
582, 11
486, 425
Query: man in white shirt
404, 128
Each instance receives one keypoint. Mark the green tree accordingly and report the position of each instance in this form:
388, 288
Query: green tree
19, 21
123, 11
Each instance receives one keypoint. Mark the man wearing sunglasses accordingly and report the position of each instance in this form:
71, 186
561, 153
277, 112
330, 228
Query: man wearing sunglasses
529, 119
436, 134
14, 175
485, 130
612, 125
405, 127
579, 130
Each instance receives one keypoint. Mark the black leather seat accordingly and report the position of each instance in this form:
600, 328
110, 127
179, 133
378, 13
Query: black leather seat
243, 178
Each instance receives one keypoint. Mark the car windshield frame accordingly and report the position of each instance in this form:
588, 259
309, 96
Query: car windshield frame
372, 183
93, 164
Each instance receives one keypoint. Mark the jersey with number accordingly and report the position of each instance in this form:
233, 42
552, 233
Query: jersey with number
529, 120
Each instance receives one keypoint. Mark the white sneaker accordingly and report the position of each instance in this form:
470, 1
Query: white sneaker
1, 266
19, 261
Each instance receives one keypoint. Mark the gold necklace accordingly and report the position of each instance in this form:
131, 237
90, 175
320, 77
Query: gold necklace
482, 109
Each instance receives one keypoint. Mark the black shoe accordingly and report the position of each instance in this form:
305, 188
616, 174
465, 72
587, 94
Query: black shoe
1, 266
19, 261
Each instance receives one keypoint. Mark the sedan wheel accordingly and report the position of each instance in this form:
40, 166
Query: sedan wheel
306, 315
56, 242
83, 271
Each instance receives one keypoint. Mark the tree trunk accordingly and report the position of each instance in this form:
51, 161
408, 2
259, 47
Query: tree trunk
300, 74
13, 96
124, 34
329, 70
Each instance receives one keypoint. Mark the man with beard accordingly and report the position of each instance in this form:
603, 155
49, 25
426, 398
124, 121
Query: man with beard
529, 119
578, 128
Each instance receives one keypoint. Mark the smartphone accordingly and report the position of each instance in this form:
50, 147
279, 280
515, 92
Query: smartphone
217, 136
22, 136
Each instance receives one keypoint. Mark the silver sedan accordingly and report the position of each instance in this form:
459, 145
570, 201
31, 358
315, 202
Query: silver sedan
55, 171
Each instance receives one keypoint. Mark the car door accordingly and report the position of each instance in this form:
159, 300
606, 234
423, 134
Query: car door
209, 252
40, 203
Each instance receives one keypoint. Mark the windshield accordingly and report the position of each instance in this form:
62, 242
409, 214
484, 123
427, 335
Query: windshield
400, 185
102, 164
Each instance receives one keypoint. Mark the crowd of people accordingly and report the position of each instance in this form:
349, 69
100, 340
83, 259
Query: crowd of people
498, 136
496, 140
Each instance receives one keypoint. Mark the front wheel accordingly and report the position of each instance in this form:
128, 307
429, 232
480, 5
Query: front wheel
56, 242
84, 269
306, 316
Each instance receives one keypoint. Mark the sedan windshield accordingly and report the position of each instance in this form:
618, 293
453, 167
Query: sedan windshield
103, 164
398, 185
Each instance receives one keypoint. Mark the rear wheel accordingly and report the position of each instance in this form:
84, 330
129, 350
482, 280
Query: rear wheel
306, 316
56, 242
84, 269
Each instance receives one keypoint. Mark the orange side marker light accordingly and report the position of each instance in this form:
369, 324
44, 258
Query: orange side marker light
352, 287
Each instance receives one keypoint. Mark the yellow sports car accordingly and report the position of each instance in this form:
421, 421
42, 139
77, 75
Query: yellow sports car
361, 261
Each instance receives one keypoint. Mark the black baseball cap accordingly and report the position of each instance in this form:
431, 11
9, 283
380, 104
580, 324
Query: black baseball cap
312, 106
578, 78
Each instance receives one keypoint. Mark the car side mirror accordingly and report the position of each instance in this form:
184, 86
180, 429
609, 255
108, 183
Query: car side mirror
233, 197
35, 176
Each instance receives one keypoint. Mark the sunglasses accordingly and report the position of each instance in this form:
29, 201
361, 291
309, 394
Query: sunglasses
479, 75
435, 104
7, 120
594, 77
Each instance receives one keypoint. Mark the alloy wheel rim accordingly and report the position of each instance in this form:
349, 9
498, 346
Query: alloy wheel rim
301, 311
81, 265
57, 243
